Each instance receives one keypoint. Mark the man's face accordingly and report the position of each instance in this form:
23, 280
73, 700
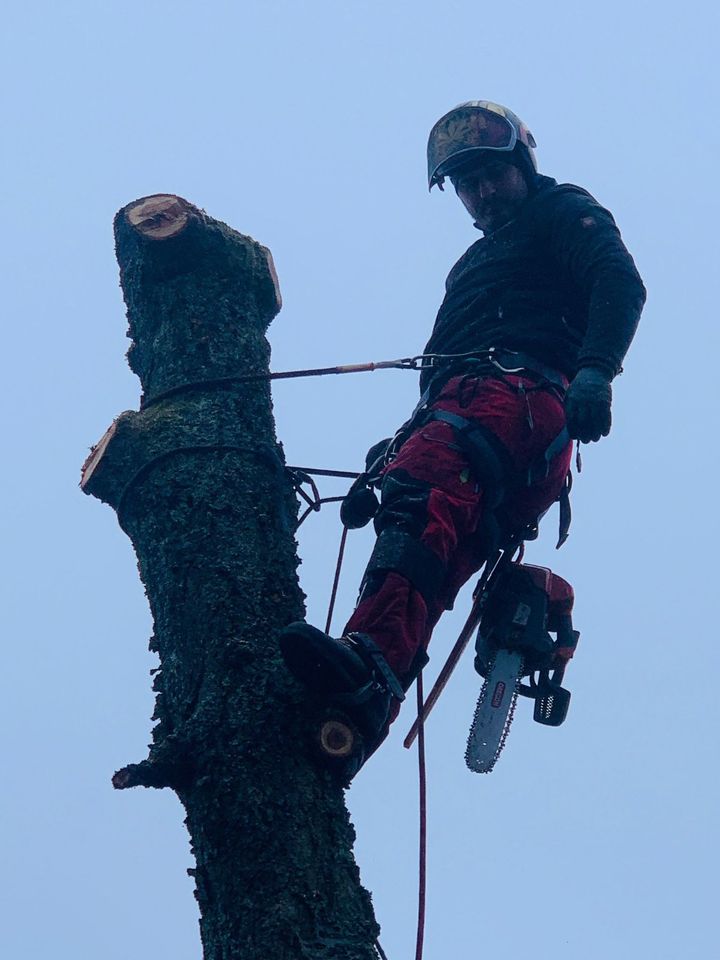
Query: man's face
491, 192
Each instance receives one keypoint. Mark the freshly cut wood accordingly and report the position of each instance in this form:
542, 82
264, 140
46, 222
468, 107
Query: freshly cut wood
95, 455
158, 217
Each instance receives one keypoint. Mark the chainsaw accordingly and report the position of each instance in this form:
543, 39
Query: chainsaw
520, 608
516, 610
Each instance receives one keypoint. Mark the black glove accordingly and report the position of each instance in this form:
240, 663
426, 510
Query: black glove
587, 405
361, 503
359, 506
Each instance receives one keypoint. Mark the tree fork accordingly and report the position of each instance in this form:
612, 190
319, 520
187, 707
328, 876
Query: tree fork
198, 483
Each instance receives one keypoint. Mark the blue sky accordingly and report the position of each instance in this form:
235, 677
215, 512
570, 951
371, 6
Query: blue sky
304, 125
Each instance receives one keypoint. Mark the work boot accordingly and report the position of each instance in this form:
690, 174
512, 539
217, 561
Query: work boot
352, 679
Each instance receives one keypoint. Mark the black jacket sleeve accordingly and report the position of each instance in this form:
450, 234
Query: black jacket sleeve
585, 241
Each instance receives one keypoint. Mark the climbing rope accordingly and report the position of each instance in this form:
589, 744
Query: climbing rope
420, 361
502, 556
422, 773
338, 568
405, 363
422, 780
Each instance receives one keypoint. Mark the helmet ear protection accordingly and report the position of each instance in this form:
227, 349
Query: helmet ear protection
472, 128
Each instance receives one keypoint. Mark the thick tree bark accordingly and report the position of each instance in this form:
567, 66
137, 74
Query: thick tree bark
198, 483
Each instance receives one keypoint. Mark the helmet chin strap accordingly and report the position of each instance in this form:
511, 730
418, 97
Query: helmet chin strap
521, 159
532, 179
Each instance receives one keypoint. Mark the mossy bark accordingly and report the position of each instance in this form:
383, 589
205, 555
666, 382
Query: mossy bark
198, 482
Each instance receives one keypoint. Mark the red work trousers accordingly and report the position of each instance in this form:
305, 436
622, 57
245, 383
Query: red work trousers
429, 490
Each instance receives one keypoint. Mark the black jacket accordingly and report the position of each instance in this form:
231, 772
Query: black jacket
556, 283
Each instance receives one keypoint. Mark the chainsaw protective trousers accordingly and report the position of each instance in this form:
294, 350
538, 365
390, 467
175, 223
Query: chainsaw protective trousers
432, 520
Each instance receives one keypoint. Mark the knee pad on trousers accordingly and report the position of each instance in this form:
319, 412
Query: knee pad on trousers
397, 551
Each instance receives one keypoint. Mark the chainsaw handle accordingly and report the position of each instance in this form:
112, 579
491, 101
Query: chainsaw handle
557, 675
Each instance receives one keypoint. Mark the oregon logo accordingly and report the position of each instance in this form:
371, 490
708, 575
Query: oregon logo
498, 693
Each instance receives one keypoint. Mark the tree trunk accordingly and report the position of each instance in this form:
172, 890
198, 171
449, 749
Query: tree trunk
198, 482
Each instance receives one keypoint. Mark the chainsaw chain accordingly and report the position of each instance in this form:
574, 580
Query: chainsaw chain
508, 719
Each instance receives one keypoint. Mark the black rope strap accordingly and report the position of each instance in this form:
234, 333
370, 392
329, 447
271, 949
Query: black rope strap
317, 472
261, 451
298, 475
381, 952
216, 384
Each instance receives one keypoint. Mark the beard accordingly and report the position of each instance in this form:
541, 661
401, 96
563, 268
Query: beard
495, 214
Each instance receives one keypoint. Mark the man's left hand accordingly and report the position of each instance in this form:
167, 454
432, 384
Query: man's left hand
587, 405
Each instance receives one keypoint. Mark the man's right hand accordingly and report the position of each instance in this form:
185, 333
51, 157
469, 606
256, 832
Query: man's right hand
588, 404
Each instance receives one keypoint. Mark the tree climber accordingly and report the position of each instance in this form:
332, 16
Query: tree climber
537, 317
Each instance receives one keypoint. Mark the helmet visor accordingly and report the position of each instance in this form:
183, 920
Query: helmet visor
463, 131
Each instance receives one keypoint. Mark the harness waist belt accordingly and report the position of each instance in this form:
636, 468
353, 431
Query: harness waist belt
507, 361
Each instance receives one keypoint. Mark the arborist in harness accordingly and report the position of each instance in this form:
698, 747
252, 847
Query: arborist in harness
537, 317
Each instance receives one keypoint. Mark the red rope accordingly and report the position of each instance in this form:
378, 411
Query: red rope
502, 556
419, 728
338, 568
443, 677
422, 884
422, 776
